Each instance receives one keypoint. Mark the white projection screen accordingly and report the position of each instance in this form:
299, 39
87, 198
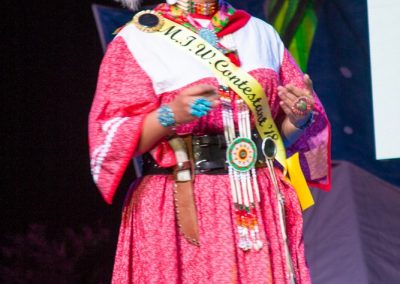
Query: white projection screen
384, 34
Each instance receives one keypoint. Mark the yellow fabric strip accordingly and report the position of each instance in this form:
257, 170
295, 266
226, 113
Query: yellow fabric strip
299, 182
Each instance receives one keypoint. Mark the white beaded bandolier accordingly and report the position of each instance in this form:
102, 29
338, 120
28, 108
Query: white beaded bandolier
241, 157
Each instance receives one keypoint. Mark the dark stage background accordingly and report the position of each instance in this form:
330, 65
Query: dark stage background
49, 62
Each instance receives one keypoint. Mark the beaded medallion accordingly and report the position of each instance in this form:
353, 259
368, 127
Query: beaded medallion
242, 154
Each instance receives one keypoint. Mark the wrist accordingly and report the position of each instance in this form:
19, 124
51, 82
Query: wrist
166, 116
304, 123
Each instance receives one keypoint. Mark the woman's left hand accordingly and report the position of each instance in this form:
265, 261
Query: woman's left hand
297, 103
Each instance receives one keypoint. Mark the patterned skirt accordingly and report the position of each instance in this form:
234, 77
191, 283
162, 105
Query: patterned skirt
152, 250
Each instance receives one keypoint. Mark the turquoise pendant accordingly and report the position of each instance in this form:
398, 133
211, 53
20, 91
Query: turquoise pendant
209, 36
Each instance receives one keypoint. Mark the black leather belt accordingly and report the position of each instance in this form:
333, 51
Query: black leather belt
209, 156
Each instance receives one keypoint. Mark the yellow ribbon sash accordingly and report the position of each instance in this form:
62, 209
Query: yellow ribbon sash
238, 80
247, 87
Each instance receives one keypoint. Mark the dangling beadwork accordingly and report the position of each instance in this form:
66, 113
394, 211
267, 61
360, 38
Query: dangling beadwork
241, 157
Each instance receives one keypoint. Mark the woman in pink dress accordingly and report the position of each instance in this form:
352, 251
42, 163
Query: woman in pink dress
223, 224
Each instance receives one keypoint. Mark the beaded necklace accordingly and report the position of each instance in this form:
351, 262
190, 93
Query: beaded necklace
204, 7
219, 20
210, 33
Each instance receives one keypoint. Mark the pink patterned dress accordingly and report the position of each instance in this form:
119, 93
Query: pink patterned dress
139, 72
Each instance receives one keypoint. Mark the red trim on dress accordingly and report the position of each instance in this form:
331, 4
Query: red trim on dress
236, 22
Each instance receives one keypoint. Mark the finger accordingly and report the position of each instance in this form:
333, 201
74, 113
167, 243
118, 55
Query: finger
197, 113
202, 101
211, 94
211, 97
309, 84
199, 90
203, 90
289, 96
286, 99
214, 99
291, 115
286, 108
215, 103
281, 89
297, 92
201, 107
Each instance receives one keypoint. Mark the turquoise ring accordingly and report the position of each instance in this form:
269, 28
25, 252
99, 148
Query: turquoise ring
200, 107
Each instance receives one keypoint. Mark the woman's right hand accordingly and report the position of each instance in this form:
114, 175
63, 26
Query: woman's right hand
181, 105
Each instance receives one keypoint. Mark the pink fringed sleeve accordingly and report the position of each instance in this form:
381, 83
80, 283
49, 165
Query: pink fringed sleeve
124, 96
314, 144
